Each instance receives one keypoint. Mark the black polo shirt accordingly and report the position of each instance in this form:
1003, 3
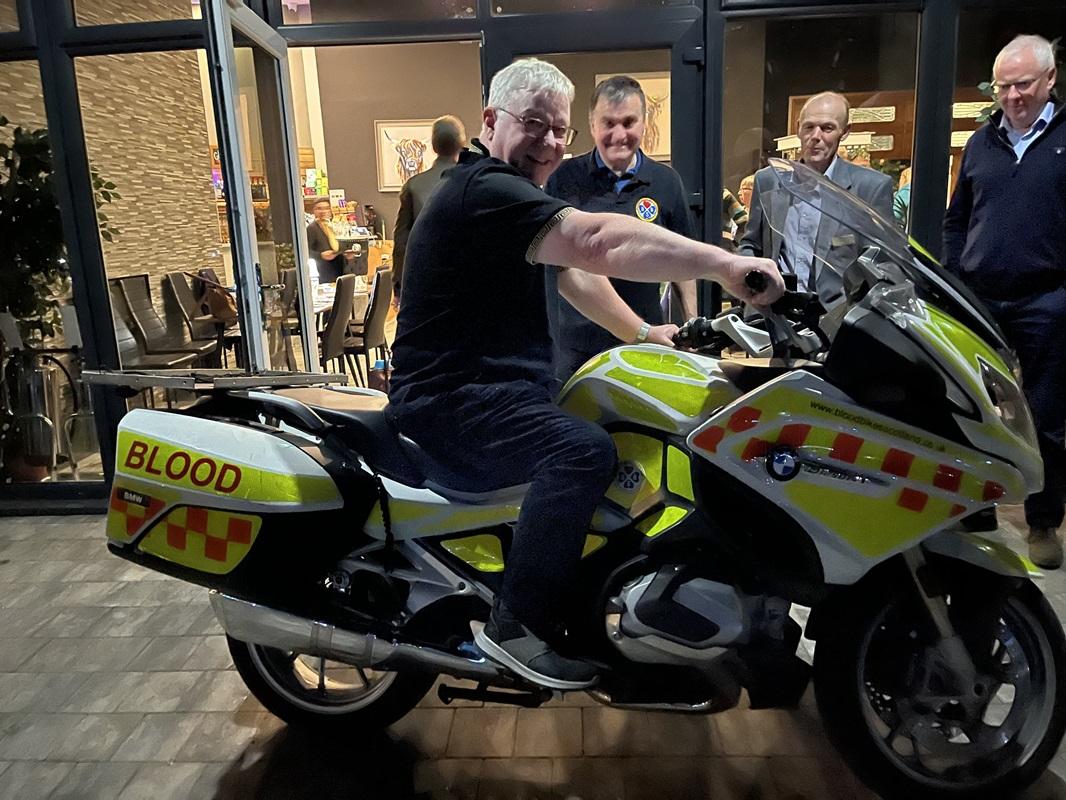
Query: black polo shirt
655, 195
474, 308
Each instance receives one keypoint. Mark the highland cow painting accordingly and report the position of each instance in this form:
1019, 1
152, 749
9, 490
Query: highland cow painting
403, 151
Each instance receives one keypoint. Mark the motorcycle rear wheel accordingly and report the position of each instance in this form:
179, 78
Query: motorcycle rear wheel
314, 692
902, 748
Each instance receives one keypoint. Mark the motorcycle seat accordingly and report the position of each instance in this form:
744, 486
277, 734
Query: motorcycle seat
360, 414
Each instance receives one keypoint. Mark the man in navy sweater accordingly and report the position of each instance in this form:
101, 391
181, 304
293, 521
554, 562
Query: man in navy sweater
1005, 236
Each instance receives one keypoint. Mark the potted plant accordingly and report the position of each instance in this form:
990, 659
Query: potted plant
34, 280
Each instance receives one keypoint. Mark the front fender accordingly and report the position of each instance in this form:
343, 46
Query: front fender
981, 552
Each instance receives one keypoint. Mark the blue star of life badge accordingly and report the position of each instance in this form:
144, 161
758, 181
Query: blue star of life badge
629, 476
647, 209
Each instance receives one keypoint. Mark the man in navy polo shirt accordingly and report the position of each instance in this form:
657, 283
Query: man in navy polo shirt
472, 381
616, 176
1005, 236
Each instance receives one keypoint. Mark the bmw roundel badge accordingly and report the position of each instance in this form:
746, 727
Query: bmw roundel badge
783, 463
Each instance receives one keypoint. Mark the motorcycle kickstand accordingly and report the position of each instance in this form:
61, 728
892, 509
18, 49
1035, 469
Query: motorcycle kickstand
526, 699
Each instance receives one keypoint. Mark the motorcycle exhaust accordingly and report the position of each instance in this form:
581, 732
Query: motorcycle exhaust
251, 622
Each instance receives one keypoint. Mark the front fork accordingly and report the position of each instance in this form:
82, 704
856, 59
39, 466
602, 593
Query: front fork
950, 652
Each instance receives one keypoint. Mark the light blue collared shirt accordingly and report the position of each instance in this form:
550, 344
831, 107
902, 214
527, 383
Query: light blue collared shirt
801, 234
1021, 141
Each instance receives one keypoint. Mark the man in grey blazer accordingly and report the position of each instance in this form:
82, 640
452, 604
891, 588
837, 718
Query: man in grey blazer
801, 236
447, 138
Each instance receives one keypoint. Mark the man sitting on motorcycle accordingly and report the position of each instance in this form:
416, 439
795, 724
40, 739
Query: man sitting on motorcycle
473, 382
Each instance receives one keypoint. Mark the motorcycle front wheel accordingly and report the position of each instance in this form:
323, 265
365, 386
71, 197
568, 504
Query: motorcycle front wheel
311, 691
891, 711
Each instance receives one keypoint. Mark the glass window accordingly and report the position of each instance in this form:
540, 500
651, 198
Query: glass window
773, 66
344, 135
502, 7
9, 19
151, 147
303, 12
107, 12
47, 427
983, 33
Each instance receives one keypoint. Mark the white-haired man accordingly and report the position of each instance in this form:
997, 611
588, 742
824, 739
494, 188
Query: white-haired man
473, 376
1005, 236
801, 236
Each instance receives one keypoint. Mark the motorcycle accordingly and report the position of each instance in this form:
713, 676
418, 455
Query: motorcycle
829, 469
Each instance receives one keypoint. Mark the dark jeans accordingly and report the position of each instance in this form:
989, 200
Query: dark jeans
495, 436
1033, 327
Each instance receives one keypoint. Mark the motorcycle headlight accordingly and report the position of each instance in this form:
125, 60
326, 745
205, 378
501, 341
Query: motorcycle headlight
1006, 396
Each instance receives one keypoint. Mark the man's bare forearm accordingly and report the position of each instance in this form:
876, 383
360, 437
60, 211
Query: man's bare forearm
595, 297
623, 247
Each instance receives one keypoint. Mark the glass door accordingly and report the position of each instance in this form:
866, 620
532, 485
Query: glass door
662, 49
257, 166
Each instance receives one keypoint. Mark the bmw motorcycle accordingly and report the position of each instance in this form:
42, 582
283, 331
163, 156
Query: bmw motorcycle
821, 455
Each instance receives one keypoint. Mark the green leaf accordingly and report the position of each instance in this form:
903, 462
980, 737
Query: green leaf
106, 195
102, 216
110, 185
3, 120
116, 195
107, 235
984, 86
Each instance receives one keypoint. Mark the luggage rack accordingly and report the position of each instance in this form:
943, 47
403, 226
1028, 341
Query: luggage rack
208, 380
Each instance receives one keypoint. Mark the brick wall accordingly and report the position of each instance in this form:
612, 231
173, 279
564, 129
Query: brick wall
146, 132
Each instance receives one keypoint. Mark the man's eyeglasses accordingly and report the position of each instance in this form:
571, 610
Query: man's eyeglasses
1022, 86
536, 128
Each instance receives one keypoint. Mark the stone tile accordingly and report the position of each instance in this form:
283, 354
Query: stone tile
31, 737
588, 779
214, 784
816, 779
748, 778
174, 620
515, 779
425, 729
94, 593
101, 692
218, 691
548, 732
158, 737
451, 778
609, 731
162, 782
93, 737
667, 778
770, 732
224, 737
211, 653
95, 781
206, 624
68, 623
32, 781
15, 622
29, 595
123, 621
23, 691
85, 655
160, 691
165, 653
483, 733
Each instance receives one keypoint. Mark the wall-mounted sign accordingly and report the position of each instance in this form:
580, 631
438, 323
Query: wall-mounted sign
873, 114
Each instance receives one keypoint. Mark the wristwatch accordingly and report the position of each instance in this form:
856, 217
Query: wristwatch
642, 334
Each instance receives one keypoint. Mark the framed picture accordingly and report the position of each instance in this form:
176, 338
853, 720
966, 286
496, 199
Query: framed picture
656, 86
403, 150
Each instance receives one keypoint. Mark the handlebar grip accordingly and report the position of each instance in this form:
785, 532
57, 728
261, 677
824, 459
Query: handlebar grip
756, 281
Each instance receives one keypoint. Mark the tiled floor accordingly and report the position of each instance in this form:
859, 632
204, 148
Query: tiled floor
116, 683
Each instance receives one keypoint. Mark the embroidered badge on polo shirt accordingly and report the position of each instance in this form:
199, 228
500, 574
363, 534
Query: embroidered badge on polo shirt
647, 209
